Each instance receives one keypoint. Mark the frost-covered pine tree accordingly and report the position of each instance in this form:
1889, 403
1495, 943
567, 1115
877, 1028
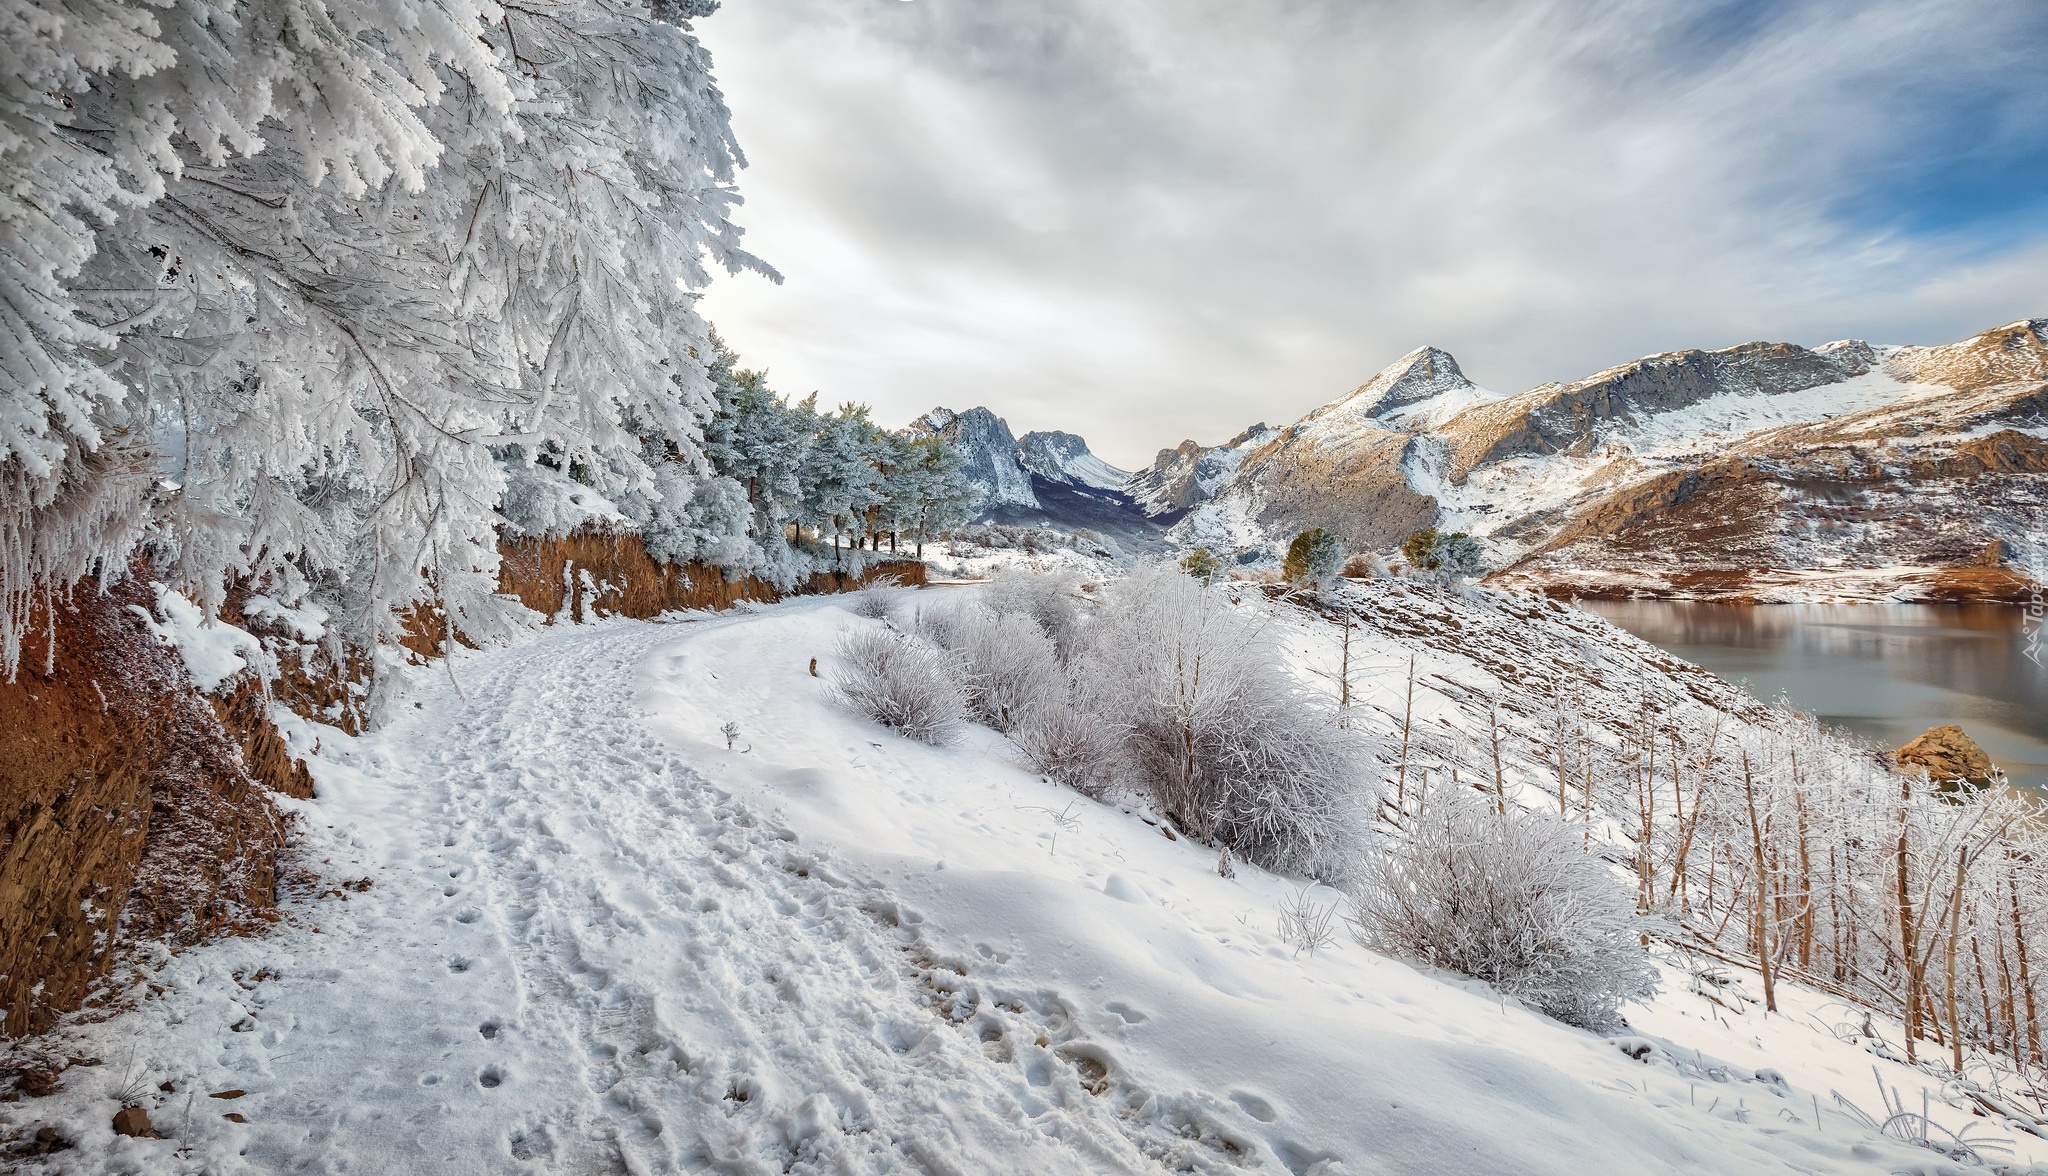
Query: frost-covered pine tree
839, 475
757, 439
944, 498
340, 256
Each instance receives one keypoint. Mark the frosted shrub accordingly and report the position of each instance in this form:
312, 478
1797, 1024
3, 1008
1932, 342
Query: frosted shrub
1074, 745
875, 599
1009, 664
1046, 597
901, 681
1512, 899
1219, 734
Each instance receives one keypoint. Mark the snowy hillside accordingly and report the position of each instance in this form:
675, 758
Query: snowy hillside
637, 897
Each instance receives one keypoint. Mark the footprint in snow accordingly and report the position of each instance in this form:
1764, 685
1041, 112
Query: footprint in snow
1251, 1104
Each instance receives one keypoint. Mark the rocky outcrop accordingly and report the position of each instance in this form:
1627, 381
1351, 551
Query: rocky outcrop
1560, 417
126, 809
1949, 755
2015, 353
2004, 452
1189, 475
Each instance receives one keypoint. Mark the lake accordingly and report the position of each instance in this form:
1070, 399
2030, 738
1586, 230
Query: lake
1885, 671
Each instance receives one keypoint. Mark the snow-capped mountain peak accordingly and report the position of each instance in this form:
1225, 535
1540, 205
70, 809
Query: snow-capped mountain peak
1064, 457
934, 421
1422, 388
1046, 478
1186, 476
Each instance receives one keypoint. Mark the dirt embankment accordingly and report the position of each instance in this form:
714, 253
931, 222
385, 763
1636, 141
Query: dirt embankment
594, 574
126, 809
598, 574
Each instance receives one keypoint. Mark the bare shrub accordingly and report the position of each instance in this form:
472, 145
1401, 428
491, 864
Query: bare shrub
1509, 898
900, 680
1220, 735
939, 621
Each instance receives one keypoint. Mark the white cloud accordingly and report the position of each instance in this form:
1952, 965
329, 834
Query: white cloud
1151, 219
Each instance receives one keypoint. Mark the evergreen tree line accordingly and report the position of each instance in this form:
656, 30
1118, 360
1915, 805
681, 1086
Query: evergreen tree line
784, 489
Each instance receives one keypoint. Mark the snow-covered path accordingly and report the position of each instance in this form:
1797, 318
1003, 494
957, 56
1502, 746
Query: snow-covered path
723, 998
574, 952
563, 929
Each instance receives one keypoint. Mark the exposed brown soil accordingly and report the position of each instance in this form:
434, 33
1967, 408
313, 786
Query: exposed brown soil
125, 809
244, 714
1738, 585
595, 574
1980, 586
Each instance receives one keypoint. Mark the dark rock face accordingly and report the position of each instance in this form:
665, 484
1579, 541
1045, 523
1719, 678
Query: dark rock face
1046, 479
1066, 458
988, 453
1071, 507
1949, 755
1557, 417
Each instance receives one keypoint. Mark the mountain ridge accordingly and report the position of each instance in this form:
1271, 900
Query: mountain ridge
1761, 470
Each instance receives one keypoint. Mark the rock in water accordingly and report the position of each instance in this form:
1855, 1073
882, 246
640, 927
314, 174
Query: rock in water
1949, 755
131, 1121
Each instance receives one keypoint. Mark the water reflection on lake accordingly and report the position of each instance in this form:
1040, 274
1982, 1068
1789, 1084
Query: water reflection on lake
1886, 671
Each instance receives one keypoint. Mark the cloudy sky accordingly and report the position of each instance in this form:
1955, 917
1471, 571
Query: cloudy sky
1144, 220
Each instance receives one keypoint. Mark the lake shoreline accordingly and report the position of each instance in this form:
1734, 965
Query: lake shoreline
1885, 671
1908, 584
